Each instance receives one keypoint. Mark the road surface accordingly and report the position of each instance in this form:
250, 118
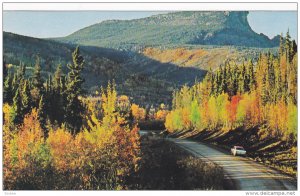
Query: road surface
244, 173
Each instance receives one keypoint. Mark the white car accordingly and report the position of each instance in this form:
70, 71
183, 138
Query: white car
238, 150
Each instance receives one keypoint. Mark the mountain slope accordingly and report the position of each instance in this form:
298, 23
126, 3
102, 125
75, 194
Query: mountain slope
175, 28
144, 79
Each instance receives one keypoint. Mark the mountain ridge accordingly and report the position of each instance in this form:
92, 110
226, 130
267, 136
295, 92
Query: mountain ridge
186, 27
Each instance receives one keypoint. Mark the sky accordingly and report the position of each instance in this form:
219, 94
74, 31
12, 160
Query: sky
45, 24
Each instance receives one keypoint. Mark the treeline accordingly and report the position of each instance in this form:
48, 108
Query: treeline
56, 139
263, 93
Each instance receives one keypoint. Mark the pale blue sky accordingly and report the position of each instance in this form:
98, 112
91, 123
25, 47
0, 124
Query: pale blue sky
272, 23
44, 24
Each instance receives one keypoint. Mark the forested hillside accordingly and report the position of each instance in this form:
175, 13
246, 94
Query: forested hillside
200, 28
136, 75
151, 57
260, 95
57, 139
204, 57
146, 77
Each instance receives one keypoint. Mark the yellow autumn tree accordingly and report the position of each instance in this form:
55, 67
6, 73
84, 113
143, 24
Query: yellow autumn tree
138, 113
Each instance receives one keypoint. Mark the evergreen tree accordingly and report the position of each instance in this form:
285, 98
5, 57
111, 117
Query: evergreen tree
5, 71
8, 90
25, 95
42, 115
57, 78
264, 91
288, 46
293, 49
281, 45
74, 107
229, 81
37, 83
251, 75
241, 79
235, 79
14, 84
277, 73
224, 83
58, 96
271, 79
21, 72
37, 80
49, 99
219, 81
212, 82
292, 80
16, 114
19, 76
208, 83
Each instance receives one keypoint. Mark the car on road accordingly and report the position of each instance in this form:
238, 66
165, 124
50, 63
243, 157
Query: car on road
238, 150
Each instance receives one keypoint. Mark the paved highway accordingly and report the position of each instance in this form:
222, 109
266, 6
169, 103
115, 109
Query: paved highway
244, 173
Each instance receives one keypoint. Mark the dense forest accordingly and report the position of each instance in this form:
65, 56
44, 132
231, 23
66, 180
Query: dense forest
55, 138
53, 130
145, 103
260, 95
146, 74
252, 104
52, 133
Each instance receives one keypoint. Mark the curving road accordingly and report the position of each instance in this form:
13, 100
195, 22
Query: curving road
244, 173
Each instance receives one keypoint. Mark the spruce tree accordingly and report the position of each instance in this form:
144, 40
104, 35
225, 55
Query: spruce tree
42, 115
48, 98
271, 79
21, 72
57, 77
216, 83
288, 46
74, 107
281, 45
224, 83
235, 79
58, 96
264, 91
37, 83
20, 76
292, 79
26, 98
16, 114
241, 79
219, 81
293, 49
5, 71
277, 73
14, 84
212, 82
8, 90
251, 76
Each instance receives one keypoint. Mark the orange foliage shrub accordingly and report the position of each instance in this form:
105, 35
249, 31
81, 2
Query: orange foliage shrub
161, 114
27, 156
61, 145
138, 113
29, 138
